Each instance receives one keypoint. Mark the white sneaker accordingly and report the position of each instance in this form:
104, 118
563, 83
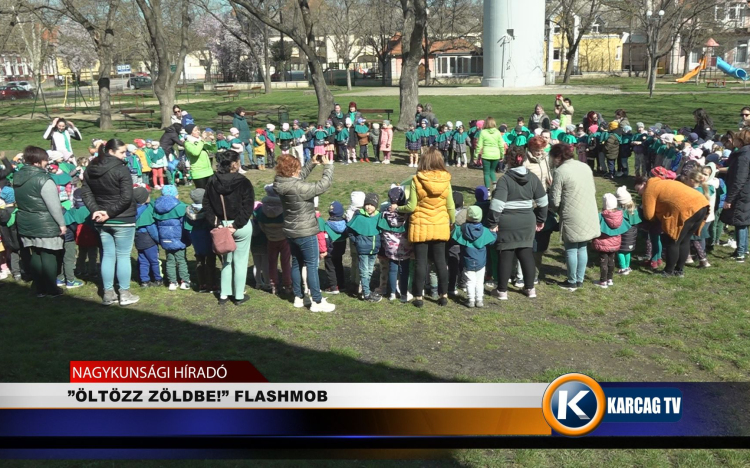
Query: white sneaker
4, 274
322, 306
185, 286
731, 243
392, 297
242, 171
173, 286
610, 283
299, 302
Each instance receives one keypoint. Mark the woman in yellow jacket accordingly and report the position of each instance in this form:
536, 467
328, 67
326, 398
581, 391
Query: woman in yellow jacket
491, 147
433, 213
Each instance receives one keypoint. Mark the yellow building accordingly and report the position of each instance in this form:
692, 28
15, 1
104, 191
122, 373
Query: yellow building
87, 74
596, 53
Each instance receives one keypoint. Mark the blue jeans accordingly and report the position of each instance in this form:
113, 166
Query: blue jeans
366, 266
398, 270
611, 167
577, 257
117, 243
624, 165
305, 252
740, 235
148, 263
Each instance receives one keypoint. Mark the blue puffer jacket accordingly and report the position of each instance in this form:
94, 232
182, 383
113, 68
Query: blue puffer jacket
169, 223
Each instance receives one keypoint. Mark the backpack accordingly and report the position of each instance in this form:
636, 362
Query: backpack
86, 236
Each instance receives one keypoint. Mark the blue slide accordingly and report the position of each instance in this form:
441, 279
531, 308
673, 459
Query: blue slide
730, 70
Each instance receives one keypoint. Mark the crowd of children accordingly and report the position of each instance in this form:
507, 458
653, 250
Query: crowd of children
374, 234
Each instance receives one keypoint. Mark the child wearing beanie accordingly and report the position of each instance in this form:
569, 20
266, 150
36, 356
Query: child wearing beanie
626, 148
413, 145
259, 148
365, 236
628, 240
285, 138
611, 141
169, 213
200, 236
375, 132
342, 140
270, 145
363, 137
396, 245
330, 145
386, 141
357, 202
638, 141
334, 229
473, 237
612, 226
351, 143
146, 240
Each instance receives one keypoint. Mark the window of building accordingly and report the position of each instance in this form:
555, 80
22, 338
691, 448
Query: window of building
556, 29
459, 66
618, 53
741, 55
556, 55
595, 28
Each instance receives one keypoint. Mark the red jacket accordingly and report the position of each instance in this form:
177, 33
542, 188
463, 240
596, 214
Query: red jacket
606, 243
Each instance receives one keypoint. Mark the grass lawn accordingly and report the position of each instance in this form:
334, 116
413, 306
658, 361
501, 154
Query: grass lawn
645, 328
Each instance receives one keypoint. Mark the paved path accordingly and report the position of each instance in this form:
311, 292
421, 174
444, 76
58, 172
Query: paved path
566, 90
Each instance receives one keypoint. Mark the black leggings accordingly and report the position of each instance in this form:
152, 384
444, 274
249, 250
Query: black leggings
677, 251
436, 251
335, 265
201, 183
505, 266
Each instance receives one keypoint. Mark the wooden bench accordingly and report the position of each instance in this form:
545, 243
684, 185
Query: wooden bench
198, 88
219, 88
716, 83
231, 95
376, 111
255, 90
131, 116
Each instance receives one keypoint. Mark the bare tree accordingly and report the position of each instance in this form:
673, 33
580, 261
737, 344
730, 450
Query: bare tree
662, 21
98, 19
35, 26
343, 19
414, 23
167, 78
575, 18
301, 30
382, 23
447, 21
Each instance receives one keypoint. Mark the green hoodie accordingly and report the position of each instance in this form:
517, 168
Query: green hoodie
200, 164
491, 144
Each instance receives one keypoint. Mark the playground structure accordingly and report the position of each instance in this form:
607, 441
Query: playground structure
710, 75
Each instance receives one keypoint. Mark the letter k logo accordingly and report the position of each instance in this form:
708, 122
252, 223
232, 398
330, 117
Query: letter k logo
563, 404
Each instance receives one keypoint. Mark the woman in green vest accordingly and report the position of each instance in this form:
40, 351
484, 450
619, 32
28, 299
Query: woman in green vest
40, 220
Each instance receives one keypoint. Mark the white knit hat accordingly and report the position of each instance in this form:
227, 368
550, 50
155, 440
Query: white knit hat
285, 127
623, 196
234, 131
459, 123
55, 156
449, 124
610, 202
270, 127
358, 199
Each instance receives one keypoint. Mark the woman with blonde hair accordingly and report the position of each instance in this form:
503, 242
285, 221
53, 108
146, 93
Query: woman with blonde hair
433, 212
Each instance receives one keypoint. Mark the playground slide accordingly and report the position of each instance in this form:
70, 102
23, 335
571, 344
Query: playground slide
730, 70
691, 74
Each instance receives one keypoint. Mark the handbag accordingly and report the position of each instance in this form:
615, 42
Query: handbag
222, 239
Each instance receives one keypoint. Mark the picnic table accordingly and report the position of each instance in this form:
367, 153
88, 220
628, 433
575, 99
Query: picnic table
716, 83
132, 116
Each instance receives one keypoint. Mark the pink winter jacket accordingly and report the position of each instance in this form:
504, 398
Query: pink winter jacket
386, 139
605, 243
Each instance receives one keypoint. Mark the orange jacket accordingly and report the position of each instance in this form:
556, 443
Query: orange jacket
672, 203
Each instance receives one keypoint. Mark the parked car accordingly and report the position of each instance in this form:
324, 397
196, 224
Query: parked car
25, 85
140, 82
14, 92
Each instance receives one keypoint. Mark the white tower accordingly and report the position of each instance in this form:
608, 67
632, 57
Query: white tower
513, 45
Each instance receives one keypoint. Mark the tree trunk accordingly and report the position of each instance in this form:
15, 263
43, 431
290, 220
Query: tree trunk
266, 75
105, 108
348, 79
166, 101
652, 77
415, 22
570, 65
324, 95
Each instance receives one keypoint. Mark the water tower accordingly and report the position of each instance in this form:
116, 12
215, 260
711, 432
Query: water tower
513, 44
